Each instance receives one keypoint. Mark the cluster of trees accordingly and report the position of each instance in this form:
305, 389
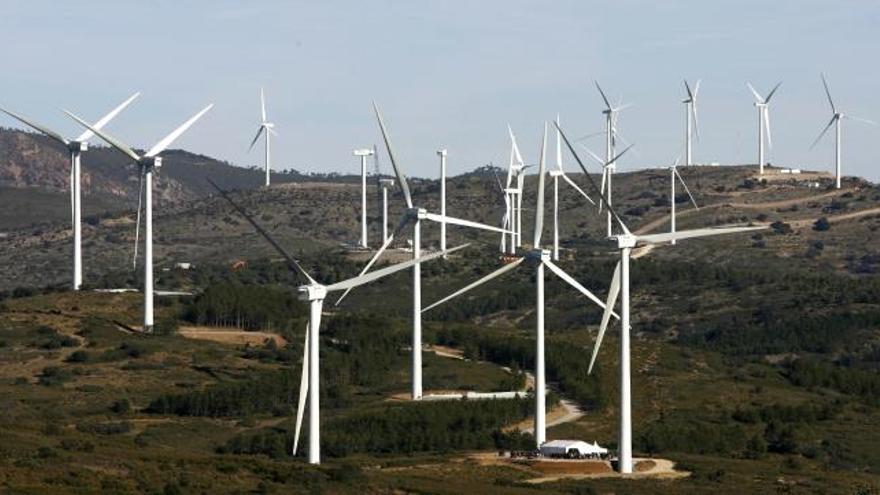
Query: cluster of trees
251, 307
773, 330
565, 364
357, 351
267, 392
863, 384
680, 434
404, 428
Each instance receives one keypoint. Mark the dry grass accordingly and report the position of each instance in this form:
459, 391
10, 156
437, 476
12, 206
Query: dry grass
231, 337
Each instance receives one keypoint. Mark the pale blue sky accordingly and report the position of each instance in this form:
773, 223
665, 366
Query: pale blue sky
450, 73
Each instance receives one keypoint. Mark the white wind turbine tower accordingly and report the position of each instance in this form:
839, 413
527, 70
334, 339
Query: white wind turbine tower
75, 147
538, 258
673, 174
836, 118
556, 174
611, 116
363, 154
763, 106
442, 155
620, 283
692, 127
315, 293
147, 163
268, 128
414, 215
385, 184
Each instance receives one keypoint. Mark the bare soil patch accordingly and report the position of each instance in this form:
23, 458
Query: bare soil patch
231, 337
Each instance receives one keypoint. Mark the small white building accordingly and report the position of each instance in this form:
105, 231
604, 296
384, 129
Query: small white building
573, 449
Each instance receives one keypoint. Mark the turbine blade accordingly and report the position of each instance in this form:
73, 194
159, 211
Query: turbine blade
254, 141
859, 119
119, 145
594, 156
401, 177
613, 291
675, 169
137, 225
580, 163
263, 105
689, 234
828, 94
617, 157
464, 223
303, 391
604, 98
85, 136
758, 97
37, 127
772, 92
577, 188
403, 222
388, 270
291, 261
602, 188
830, 123
539, 205
516, 153
497, 273
558, 147
687, 87
574, 283
167, 140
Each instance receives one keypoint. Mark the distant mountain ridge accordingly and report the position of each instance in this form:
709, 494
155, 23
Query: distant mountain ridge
33, 160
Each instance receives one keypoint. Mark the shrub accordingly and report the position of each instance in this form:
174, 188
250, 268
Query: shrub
55, 376
821, 225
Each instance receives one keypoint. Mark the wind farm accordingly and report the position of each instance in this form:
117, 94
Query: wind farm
356, 309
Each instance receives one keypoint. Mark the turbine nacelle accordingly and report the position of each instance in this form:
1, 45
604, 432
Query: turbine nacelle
416, 213
77, 146
313, 292
386, 183
150, 162
625, 241
363, 152
538, 255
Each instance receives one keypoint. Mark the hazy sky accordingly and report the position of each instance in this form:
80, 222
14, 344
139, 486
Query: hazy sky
449, 73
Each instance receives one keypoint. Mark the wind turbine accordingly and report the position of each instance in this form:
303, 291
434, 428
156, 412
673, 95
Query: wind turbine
538, 258
75, 147
515, 172
620, 283
505, 219
147, 163
556, 174
268, 127
763, 106
836, 118
690, 115
363, 154
612, 114
414, 215
673, 174
315, 293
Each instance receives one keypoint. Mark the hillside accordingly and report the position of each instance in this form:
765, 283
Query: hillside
755, 357
29, 160
313, 216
